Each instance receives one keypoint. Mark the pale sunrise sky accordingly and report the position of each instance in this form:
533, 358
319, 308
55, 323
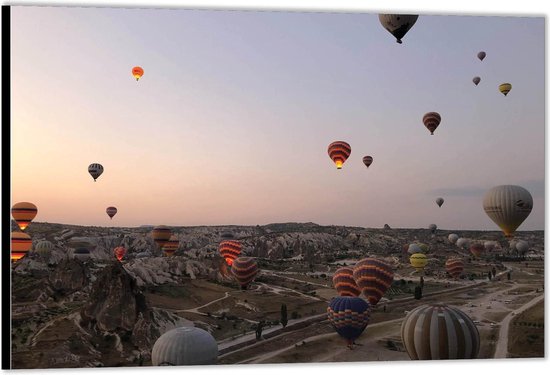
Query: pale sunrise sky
231, 121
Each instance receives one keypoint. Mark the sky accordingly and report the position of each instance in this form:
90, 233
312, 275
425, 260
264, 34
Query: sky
231, 121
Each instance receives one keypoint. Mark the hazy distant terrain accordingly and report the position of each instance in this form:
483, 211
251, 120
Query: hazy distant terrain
102, 312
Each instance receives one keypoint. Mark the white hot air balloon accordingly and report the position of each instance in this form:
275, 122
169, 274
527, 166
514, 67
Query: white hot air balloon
397, 24
453, 237
522, 246
463, 243
508, 206
489, 245
413, 249
185, 346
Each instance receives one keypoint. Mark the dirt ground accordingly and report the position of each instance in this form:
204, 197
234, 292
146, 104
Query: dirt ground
527, 333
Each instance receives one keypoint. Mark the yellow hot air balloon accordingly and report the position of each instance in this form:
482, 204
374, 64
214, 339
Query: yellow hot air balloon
418, 261
505, 88
508, 206
23, 213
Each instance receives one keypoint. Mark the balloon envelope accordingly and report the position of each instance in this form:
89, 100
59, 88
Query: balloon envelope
367, 160
431, 121
171, 246
185, 346
137, 72
453, 238
508, 206
161, 234
344, 283
477, 249
454, 266
505, 88
439, 201
418, 261
44, 248
339, 152
481, 55
95, 170
374, 277
245, 270
120, 251
23, 213
21, 243
230, 250
111, 211
397, 24
349, 316
476, 80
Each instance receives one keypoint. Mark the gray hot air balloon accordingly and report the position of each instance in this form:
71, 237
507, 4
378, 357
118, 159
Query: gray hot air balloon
82, 254
432, 228
508, 206
453, 237
95, 170
476, 80
44, 248
489, 245
397, 24
438, 331
481, 55
522, 246
439, 201
414, 249
463, 243
185, 346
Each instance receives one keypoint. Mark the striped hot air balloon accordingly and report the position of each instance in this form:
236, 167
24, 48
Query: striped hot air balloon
230, 250
349, 316
431, 121
21, 243
505, 88
120, 251
82, 254
344, 282
43, 248
454, 266
418, 261
111, 211
339, 152
367, 160
161, 234
245, 270
171, 246
23, 213
95, 170
438, 331
185, 346
137, 72
477, 249
508, 206
374, 277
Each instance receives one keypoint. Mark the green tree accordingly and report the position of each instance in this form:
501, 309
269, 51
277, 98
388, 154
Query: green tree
284, 315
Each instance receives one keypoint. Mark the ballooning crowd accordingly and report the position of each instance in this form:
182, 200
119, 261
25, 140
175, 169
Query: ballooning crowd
434, 331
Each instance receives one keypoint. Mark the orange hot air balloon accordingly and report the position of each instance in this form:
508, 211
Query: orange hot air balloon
137, 72
431, 121
120, 251
23, 213
171, 246
230, 250
245, 270
454, 266
111, 211
339, 152
367, 160
21, 243
161, 234
374, 277
344, 283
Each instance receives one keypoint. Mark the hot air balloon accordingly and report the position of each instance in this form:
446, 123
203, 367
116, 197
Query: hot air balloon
505, 88
508, 206
374, 277
454, 266
184, 346
367, 160
439, 201
431, 121
120, 251
171, 246
423, 247
137, 72
161, 234
489, 245
344, 283
349, 316
437, 331
453, 238
21, 243
481, 55
44, 248
476, 80
397, 24
81, 253
229, 250
477, 249
23, 213
432, 228
111, 211
418, 261
245, 270
95, 170
463, 243
522, 246
339, 152
227, 235
413, 249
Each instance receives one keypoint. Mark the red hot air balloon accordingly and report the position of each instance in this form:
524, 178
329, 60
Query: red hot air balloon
230, 250
23, 213
374, 277
431, 121
454, 266
344, 282
476, 249
111, 211
367, 160
137, 72
21, 243
339, 152
245, 270
120, 251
